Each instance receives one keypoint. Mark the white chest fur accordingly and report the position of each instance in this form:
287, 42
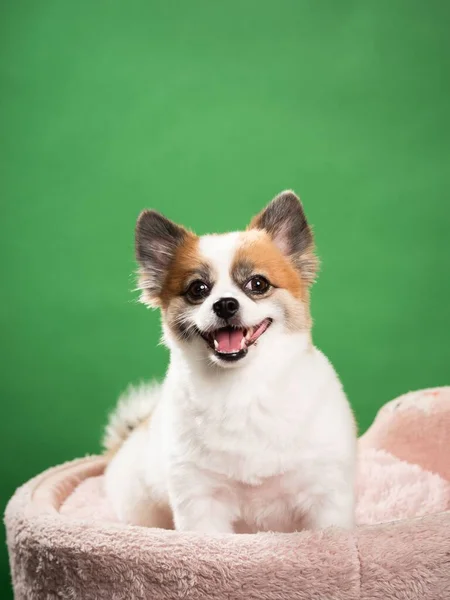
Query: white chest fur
267, 440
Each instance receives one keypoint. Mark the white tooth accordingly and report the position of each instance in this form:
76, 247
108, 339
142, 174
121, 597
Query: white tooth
249, 333
216, 344
243, 343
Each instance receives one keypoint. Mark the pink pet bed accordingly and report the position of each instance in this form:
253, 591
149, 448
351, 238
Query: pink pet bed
64, 542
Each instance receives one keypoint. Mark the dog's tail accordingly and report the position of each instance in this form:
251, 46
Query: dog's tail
134, 407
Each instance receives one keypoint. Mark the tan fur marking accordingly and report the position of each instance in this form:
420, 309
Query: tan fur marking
186, 260
258, 249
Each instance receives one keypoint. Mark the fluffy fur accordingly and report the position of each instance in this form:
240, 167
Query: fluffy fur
251, 430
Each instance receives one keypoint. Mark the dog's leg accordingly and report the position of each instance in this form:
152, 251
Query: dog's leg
336, 508
134, 498
200, 503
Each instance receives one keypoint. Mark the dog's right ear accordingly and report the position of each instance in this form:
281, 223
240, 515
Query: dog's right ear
157, 240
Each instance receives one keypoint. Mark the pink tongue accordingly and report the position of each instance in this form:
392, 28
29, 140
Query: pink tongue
229, 340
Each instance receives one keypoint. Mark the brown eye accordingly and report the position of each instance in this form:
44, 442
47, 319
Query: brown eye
197, 291
257, 285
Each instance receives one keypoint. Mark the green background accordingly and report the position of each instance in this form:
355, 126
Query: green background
205, 110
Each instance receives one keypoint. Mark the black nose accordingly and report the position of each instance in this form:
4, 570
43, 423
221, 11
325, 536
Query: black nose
225, 308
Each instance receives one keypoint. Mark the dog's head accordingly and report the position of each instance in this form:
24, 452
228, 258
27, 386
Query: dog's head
220, 294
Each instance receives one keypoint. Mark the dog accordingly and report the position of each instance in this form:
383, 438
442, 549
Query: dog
251, 429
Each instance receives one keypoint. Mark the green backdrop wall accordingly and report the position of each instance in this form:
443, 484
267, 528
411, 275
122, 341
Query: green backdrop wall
204, 110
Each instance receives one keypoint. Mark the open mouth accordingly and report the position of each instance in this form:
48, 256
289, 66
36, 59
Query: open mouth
232, 343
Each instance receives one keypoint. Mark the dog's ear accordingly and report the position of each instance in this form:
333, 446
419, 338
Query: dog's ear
285, 221
157, 240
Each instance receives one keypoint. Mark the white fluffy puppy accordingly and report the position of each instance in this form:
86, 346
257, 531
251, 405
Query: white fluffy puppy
251, 429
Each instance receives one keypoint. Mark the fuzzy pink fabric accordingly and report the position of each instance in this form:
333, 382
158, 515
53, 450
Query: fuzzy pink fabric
388, 489
64, 541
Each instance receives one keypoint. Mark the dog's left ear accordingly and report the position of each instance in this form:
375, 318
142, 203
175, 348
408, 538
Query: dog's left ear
285, 221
